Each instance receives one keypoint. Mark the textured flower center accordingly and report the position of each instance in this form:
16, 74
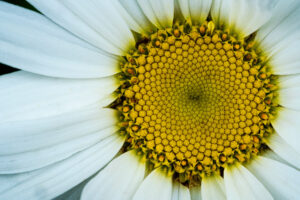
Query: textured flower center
195, 99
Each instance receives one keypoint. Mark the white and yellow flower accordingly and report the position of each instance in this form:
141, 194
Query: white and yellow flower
150, 99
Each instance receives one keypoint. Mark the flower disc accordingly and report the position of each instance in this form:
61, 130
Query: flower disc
195, 99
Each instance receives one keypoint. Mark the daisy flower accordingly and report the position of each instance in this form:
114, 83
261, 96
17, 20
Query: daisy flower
150, 99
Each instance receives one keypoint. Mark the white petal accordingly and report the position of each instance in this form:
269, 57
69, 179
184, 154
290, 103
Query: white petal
54, 180
243, 16
119, 180
287, 125
97, 22
288, 81
157, 185
180, 192
177, 11
196, 193
31, 42
184, 6
22, 136
274, 156
281, 29
103, 17
196, 10
284, 150
32, 160
27, 96
283, 10
74, 193
241, 184
160, 13
131, 22
289, 97
213, 188
135, 17
289, 91
285, 60
281, 180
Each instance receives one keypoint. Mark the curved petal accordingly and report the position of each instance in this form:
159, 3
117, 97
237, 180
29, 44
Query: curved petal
272, 155
72, 194
42, 47
26, 96
54, 180
241, 184
157, 185
28, 161
135, 17
288, 81
281, 180
281, 29
286, 60
290, 91
160, 13
284, 150
196, 10
32, 135
213, 188
287, 126
242, 16
196, 193
125, 179
97, 22
180, 192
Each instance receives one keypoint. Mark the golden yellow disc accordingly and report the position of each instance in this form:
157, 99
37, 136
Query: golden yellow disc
195, 100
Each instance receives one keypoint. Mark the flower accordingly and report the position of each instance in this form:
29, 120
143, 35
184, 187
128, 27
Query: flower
150, 99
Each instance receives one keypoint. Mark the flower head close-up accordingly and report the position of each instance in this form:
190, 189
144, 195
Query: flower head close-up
150, 99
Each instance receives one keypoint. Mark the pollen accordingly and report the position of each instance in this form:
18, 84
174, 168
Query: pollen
195, 100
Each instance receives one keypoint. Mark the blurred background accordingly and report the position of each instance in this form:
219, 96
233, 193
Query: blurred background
4, 69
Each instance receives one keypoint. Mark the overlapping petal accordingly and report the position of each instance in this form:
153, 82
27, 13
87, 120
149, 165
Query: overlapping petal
160, 13
284, 150
30, 135
180, 192
31, 42
196, 193
281, 29
54, 180
26, 96
38, 158
289, 92
195, 10
281, 180
279, 38
287, 125
97, 22
213, 188
119, 180
156, 186
242, 184
134, 16
243, 16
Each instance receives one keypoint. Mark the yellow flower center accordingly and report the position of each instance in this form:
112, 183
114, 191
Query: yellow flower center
195, 99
